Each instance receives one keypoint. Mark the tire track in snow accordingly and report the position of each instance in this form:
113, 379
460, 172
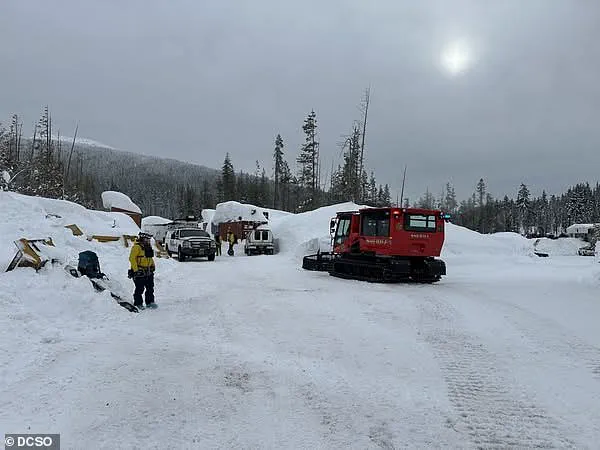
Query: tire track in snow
490, 411
547, 334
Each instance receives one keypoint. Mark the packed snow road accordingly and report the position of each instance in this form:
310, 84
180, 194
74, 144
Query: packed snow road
254, 352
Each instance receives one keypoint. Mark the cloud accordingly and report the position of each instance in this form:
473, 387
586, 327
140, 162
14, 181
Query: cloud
193, 80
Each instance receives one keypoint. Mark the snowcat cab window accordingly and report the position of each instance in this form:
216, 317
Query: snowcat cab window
419, 222
191, 233
376, 223
257, 235
343, 230
265, 235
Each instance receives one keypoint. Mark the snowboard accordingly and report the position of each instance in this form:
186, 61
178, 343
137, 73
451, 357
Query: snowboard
103, 284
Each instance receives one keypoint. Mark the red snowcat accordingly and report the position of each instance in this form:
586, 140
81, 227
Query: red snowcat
384, 245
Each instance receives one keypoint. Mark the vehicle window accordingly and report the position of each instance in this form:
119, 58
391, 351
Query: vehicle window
257, 235
376, 224
419, 222
343, 230
194, 233
265, 235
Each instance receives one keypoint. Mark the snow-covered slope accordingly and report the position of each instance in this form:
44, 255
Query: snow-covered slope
254, 352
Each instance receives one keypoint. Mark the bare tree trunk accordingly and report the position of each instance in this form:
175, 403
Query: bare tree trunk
20, 134
364, 132
48, 137
71, 154
33, 143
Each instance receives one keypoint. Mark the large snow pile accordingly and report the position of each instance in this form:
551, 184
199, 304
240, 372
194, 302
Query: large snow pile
560, 247
305, 233
464, 242
114, 199
36, 218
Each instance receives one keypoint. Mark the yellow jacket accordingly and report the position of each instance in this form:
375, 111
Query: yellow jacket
230, 238
138, 259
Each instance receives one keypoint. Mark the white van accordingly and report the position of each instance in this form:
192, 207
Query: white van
259, 240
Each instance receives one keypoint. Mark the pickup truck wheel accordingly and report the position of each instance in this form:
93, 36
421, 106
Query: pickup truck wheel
211, 257
180, 255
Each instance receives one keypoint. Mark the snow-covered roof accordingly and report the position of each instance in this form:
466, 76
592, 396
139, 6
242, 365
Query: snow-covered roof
155, 220
579, 228
114, 199
233, 211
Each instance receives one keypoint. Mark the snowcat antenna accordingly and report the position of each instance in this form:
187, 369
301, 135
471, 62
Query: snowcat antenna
402, 194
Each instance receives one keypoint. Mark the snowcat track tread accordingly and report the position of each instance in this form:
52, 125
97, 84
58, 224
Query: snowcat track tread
318, 262
376, 272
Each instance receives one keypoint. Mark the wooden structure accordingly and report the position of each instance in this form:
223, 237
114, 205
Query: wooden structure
30, 253
137, 217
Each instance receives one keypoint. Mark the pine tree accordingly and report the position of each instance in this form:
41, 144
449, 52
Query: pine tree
372, 191
450, 203
278, 158
523, 207
481, 195
309, 162
386, 198
228, 180
427, 201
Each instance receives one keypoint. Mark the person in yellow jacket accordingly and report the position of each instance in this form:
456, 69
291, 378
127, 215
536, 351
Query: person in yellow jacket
142, 271
231, 241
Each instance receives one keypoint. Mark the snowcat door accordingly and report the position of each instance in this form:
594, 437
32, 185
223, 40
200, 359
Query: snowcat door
341, 233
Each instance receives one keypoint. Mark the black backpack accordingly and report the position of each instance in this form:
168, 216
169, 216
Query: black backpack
89, 265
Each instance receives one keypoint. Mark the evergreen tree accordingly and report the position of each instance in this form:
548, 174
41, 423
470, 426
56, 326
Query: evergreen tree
309, 163
228, 180
481, 194
278, 172
386, 198
450, 203
523, 208
427, 201
372, 190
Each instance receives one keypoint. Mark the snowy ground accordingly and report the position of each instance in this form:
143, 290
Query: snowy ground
254, 352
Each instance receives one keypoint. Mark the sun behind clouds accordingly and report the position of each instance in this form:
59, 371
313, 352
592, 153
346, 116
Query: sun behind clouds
456, 57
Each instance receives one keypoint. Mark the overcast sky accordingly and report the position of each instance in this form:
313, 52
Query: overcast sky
193, 79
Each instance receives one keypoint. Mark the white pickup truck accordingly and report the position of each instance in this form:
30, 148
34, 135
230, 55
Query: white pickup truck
190, 242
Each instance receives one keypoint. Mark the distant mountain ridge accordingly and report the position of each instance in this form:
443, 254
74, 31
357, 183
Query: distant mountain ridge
151, 182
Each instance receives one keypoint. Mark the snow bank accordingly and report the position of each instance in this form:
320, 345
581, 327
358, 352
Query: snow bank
560, 247
305, 233
462, 241
36, 217
113, 199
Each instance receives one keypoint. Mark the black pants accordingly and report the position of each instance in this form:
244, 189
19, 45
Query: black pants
141, 283
218, 249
